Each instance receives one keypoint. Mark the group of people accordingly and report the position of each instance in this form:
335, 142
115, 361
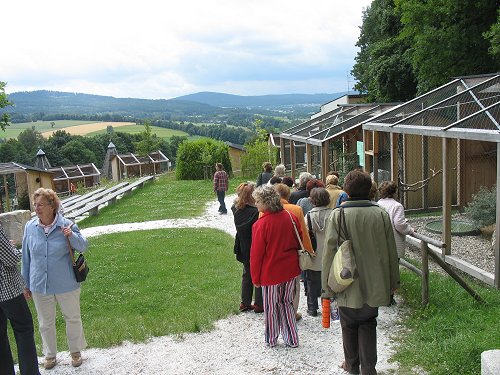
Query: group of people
274, 220
47, 277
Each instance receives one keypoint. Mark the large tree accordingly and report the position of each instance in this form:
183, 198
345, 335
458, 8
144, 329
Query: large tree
4, 102
383, 65
447, 38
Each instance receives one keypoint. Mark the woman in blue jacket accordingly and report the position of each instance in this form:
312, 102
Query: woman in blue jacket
48, 274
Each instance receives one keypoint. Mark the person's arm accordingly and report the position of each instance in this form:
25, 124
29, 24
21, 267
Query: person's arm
304, 233
9, 255
257, 251
392, 253
259, 179
329, 250
399, 221
76, 239
25, 264
216, 181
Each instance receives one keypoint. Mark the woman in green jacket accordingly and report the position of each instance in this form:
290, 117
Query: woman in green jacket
370, 229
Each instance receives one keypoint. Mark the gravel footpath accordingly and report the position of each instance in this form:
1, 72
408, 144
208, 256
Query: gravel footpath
236, 344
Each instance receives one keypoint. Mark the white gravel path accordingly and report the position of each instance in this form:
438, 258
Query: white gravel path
236, 344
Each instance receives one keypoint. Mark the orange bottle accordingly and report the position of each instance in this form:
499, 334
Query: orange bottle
325, 313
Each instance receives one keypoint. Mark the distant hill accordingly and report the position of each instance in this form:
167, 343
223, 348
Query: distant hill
200, 107
51, 102
263, 101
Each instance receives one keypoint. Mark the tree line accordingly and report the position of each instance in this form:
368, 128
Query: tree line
64, 149
409, 47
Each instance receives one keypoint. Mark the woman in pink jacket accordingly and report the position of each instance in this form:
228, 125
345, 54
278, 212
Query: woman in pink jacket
400, 226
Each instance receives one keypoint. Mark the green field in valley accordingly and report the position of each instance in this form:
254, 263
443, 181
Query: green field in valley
13, 130
135, 129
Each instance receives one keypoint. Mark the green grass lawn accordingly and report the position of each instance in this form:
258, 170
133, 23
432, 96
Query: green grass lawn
154, 283
447, 336
163, 199
135, 129
13, 130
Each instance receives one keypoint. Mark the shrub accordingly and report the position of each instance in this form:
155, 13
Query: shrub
482, 208
256, 154
192, 157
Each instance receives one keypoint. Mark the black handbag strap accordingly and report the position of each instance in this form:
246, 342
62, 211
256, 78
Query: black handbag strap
70, 249
342, 221
309, 224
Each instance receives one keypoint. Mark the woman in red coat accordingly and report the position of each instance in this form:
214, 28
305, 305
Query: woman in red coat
274, 265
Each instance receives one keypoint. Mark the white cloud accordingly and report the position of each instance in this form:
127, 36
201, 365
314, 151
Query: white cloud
162, 49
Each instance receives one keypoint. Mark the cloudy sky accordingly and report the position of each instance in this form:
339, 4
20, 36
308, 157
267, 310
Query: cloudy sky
162, 48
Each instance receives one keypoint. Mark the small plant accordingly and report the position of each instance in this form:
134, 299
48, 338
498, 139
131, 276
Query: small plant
482, 208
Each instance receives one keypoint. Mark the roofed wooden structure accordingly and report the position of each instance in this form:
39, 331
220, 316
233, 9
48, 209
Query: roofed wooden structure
26, 180
328, 141
128, 165
457, 129
86, 174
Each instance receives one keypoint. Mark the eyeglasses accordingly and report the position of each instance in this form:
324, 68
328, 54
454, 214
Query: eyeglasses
39, 205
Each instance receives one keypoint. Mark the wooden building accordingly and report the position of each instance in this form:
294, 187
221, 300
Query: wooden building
130, 165
445, 141
20, 182
84, 174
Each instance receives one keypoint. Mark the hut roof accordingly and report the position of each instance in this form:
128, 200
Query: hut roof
465, 108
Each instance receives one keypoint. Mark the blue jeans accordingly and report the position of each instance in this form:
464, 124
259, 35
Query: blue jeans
17, 311
220, 197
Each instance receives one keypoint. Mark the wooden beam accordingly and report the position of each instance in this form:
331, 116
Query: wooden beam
309, 158
376, 140
446, 234
425, 171
394, 157
282, 151
325, 160
367, 149
425, 273
292, 160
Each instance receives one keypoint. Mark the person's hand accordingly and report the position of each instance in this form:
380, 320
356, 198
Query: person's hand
27, 293
67, 230
13, 243
256, 285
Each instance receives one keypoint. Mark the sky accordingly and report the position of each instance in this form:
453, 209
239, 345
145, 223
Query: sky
161, 49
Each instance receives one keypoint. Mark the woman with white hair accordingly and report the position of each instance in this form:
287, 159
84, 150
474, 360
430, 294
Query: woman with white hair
274, 265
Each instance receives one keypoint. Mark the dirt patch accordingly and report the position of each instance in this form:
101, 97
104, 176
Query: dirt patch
88, 128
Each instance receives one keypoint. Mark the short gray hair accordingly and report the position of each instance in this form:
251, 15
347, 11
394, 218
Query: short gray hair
269, 198
304, 177
280, 170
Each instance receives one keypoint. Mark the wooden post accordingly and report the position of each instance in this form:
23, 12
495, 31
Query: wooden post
309, 158
282, 151
325, 160
497, 225
6, 187
394, 157
367, 149
376, 137
425, 171
446, 234
425, 273
292, 159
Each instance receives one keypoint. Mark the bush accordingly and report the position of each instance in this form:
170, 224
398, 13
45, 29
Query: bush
256, 154
192, 157
482, 208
